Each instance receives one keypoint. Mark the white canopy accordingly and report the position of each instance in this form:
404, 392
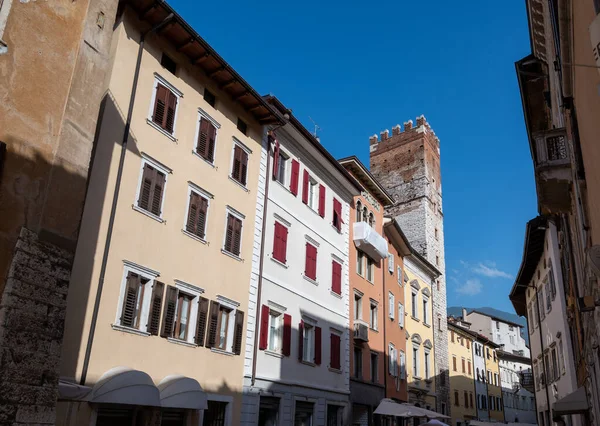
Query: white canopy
369, 241
388, 407
574, 403
121, 385
182, 392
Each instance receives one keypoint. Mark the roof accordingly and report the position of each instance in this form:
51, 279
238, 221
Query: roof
495, 318
364, 176
533, 249
477, 336
513, 357
280, 109
189, 43
397, 238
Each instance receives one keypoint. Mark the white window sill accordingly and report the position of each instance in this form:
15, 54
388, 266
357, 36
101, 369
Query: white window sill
310, 280
204, 159
339, 231
239, 183
279, 262
309, 363
161, 130
181, 342
221, 351
194, 237
333, 293
147, 213
286, 188
233, 256
313, 210
273, 353
124, 329
335, 370
374, 330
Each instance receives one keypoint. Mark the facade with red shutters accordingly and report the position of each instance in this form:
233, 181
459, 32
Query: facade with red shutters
297, 360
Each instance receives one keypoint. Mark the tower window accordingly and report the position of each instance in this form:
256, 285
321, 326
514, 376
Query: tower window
436, 233
437, 261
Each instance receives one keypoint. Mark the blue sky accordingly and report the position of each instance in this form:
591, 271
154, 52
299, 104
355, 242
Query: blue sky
359, 68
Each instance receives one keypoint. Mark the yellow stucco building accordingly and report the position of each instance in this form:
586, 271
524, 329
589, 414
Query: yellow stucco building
462, 378
492, 378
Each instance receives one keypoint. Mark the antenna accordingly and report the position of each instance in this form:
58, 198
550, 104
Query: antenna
317, 127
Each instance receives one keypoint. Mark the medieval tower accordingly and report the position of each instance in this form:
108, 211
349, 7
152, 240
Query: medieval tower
407, 163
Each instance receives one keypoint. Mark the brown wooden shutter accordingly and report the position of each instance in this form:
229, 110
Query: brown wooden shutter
202, 147
318, 344
212, 138
158, 290
321, 201
276, 159
286, 350
201, 222
237, 163
160, 105
146, 187
202, 320
192, 213
244, 168
213, 320
238, 332
305, 183
129, 311
295, 177
157, 193
229, 233
237, 236
171, 107
337, 214
264, 328
300, 340
169, 312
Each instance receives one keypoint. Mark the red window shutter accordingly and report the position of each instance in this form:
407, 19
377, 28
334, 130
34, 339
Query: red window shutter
264, 328
305, 183
276, 159
335, 351
294, 178
310, 269
318, 345
300, 340
337, 214
336, 277
287, 335
321, 200
284, 235
280, 242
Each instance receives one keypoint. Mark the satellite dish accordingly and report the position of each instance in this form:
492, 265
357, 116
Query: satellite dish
593, 258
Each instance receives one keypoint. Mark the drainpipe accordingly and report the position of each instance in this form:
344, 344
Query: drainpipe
113, 210
385, 320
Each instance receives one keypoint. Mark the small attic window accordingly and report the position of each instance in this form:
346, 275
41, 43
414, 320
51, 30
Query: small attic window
242, 126
210, 97
168, 63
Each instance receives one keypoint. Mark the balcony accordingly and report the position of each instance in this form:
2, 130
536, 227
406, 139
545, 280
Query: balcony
369, 241
361, 331
553, 171
526, 380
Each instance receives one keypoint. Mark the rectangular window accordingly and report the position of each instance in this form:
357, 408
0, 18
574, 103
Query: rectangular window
425, 310
337, 215
415, 361
168, 63
468, 344
133, 300
415, 312
374, 366
223, 327
551, 281
357, 307
454, 363
471, 400
308, 343
391, 305
390, 263
233, 235
239, 165
334, 415
313, 194
548, 297
373, 316
401, 315
335, 351
207, 139
310, 264
336, 277
165, 108
392, 358
303, 414
561, 359
196, 214
357, 362
360, 261
469, 367
242, 126
151, 190
466, 396
215, 414
275, 327
210, 97
456, 400
399, 275
370, 267
280, 242
463, 362
182, 318
427, 372
402, 365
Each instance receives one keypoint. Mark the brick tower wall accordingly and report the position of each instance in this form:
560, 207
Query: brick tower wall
407, 163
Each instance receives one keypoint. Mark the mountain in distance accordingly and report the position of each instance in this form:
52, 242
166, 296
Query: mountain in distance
456, 311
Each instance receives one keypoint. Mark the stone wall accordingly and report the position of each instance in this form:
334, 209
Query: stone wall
32, 314
407, 163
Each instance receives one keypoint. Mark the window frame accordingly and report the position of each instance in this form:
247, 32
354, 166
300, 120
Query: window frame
158, 79
192, 187
426, 363
425, 303
358, 306
391, 306
231, 211
416, 361
203, 114
248, 152
374, 367
393, 360
308, 350
313, 194
146, 159
360, 263
357, 367
414, 299
282, 161
373, 320
370, 270
275, 315
177, 319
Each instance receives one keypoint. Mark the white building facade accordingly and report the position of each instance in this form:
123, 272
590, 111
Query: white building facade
481, 394
499, 331
297, 355
519, 403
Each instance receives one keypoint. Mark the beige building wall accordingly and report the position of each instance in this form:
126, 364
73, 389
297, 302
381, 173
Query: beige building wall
161, 246
462, 376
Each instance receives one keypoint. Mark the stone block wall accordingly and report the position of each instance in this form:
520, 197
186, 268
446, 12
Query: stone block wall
32, 314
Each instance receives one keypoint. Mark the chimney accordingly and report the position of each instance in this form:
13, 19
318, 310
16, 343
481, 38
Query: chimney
408, 125
373, 140
464, 314
420, 120
384, 135
396, 130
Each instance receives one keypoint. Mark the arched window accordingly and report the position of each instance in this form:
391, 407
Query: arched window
365, 214
358, 211
371, 220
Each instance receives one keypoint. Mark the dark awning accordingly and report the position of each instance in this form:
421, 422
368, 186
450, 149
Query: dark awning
574, 403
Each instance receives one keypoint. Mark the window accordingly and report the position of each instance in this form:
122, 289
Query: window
310, 264
427, 370
561, 359
334, 415
151, 188
400, 315
357, 362
335, 351
275, 330
551, 280
374, 366
456, 401
280, 242
373, 316
498, 404
425, 310
168, 63
391, 305
497, 325
163, 111
454, 363
437, 261
223, 327
370, 266
275, 326
452, 336
415, 361
280, 166
468, 345
487, 351
239, 165
415, 312
496, 379
469, 367
268, 413
182, 318
390, 263
360, 259
466, 396
402, 365
313, 195
540, 304
303, 415
233, 234
207, 137
215, 414
399, 275
471, 399
357, 306
337, 215
196, 214
308, 343
132, 303
365, 214
393, 360
463, 364
336, 277
548, 296
371, 220
242, 126
210, 97
358, 211
530, 323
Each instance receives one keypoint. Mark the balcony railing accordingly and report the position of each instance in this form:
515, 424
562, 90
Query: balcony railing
368, 240
361, 331
526, 380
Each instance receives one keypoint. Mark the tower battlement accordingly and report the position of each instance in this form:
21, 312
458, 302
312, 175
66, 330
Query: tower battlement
404, 133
